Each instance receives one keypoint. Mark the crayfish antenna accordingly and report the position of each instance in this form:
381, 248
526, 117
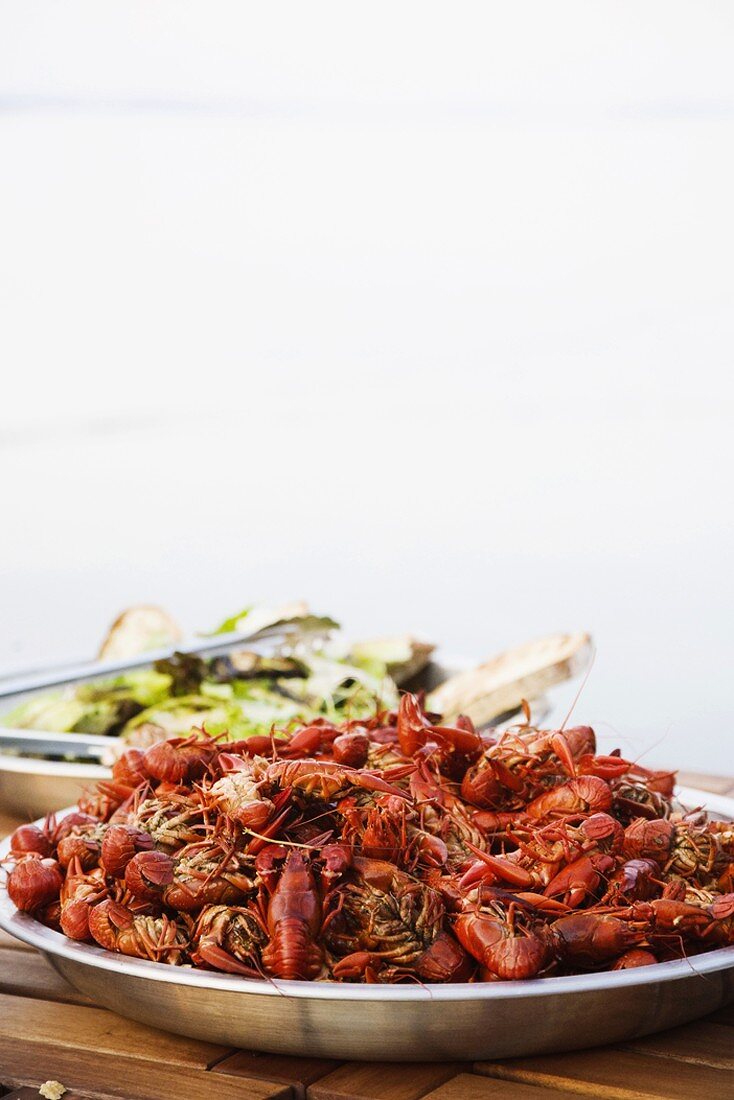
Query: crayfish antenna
583, 684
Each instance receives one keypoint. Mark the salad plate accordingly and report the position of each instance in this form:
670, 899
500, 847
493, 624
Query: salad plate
242, 691
262, 668
395, 1023
31, 787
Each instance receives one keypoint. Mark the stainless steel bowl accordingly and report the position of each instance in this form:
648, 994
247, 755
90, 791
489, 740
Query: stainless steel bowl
398, 1023
32, 788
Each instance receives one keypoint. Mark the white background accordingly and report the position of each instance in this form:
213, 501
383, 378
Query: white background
423, 312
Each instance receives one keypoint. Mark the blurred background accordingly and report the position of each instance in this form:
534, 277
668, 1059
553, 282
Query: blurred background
421, 312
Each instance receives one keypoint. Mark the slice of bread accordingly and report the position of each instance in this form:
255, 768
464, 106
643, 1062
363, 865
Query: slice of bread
137, 630
500, 684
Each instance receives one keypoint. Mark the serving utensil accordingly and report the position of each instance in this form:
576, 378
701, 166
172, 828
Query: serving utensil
98, 670
47, 743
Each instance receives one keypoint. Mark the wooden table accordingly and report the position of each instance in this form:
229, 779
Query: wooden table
48, 1031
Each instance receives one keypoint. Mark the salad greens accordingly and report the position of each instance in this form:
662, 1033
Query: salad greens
310, 674
101, 707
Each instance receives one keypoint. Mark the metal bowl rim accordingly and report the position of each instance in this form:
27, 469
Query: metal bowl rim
25, 928
56, 769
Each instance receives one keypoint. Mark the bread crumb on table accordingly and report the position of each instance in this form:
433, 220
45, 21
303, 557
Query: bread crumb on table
52, 1090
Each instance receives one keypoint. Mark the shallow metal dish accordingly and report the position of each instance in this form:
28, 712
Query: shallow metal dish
397, 1023
30, 788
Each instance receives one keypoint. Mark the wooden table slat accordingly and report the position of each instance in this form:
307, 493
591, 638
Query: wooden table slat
383, 1080
126, 1078
30, 1092
723, 1015
470, 1086
76, 1026
28, 974
701, 1043
98, 1052
298, 1073
614, 1075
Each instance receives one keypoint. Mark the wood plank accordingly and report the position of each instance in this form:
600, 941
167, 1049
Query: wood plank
26, 1021
614, 1075
702, 1044
122, 1078
723, 1015
30, 1092
28, 974
298, 1073
470, 1086
383, 1080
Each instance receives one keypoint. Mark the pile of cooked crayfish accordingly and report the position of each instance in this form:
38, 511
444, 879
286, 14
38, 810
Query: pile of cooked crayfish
389, 850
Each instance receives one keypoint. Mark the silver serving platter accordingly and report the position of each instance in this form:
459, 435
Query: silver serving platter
394, 1023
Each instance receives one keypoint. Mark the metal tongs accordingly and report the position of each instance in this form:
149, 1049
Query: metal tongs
97, 670
43, 743
49, 743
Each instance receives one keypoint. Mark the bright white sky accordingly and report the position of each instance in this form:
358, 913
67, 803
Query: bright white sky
423, 312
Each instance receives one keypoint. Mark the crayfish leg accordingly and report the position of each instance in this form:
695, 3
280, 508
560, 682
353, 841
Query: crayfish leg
220, 959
